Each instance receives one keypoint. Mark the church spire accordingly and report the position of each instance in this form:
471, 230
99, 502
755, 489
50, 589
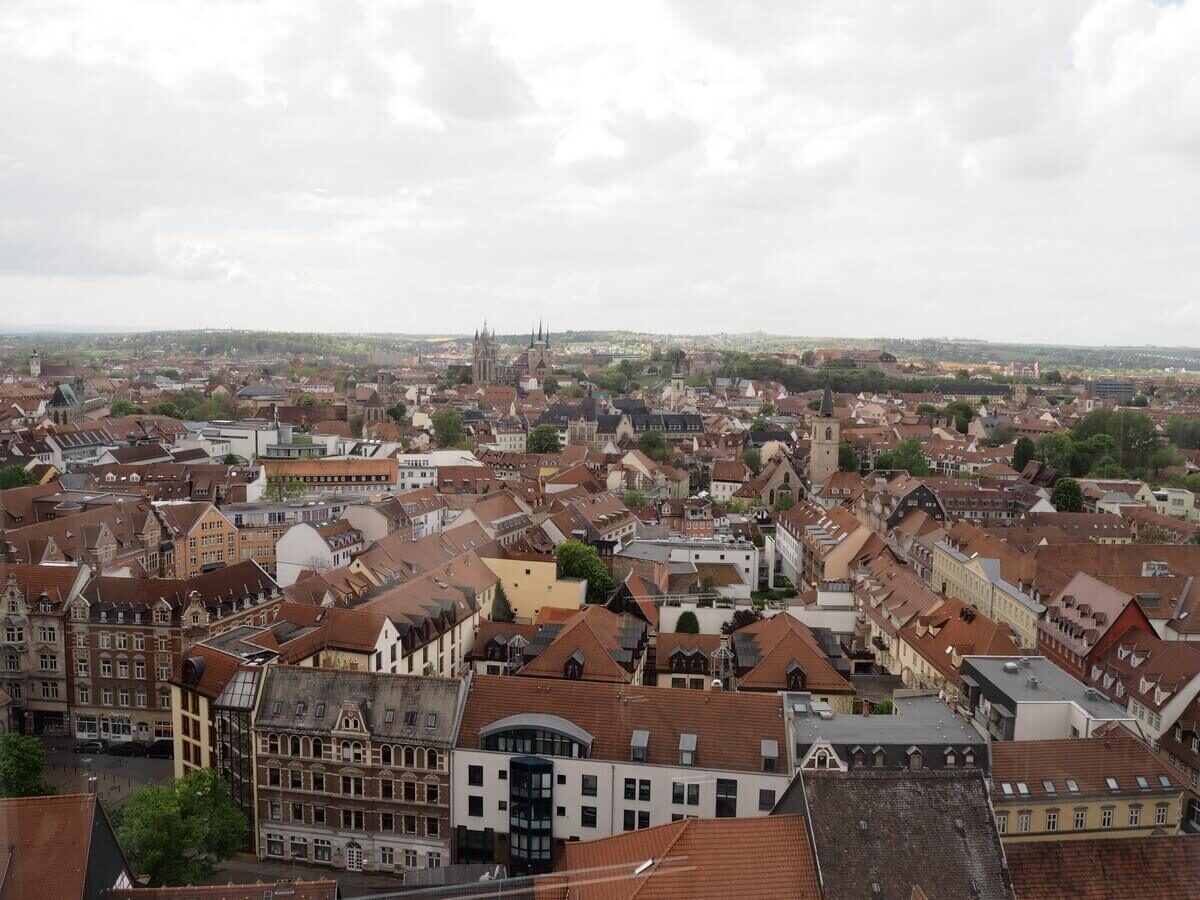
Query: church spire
539, 331
827, 402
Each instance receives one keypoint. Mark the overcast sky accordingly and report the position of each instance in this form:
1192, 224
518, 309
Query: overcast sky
1012, 170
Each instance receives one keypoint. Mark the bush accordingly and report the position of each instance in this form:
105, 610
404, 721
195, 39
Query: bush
688, 623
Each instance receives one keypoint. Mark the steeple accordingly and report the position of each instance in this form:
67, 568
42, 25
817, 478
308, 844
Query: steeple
827, 403
530, 335
539, 331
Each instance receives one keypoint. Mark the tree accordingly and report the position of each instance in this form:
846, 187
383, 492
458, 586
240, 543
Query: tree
687, 623
926, 409
1154, 534
177, 832
306, 400
962, 412
634, 499
1067, 496
447, 427
123, 407
741, 618
502, 610
653, 444
847, 457
882, 708
397, 412
21, 759
15, 476
963, 374
1001, 434
1023, 453
753, 460
807, 358
579, 560
230, 459
1052, 377
760, 424
1140, 400
543, 439
1057, 451
166, 408
280, 489
355, 423
784, 502
814, 404
906, 455
550, 385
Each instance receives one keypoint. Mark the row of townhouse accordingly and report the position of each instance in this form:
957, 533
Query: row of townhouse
370, 771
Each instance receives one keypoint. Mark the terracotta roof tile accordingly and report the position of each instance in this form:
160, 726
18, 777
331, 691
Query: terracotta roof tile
1148, 868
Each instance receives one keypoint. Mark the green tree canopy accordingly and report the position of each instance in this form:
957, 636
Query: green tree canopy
962, 412
447, 427
123, 407
397, 412
784, 502
306, 400
653, 444
687, 623
1023, 453
634, 498
1067, 496
279, 489
1002, 434
550, 385
166, 408
502, 610
543, 439
177, 832
15, 476
579, 560
847, 458
753, 460
906, 455
21, 759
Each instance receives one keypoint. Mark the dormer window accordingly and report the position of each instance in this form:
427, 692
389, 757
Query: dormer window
770, 756
687, 749
638, 745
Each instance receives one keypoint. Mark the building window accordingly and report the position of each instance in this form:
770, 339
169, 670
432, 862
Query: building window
726, 798
475, 776
587, 816
629, 820
766, 800
410, 859
1160, 814
275, 845
299, 847
1023, 822
1135, 816
630, 788
433, 826
1106, 817
322, 850
475, 806
1002, 823
589, 785
1080, 819
1052, 820
643, 818
387, 856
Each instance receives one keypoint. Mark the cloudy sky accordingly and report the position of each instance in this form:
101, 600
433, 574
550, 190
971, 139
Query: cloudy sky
1012, 170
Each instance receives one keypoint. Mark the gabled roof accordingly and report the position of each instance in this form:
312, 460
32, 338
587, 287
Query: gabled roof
1163, 867
768, 647
902, 830
698, 859
608, 646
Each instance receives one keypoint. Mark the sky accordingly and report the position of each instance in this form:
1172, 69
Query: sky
997, 169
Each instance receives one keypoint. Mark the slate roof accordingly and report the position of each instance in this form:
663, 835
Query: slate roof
765, 649
1163, 867
607, 644
903, 830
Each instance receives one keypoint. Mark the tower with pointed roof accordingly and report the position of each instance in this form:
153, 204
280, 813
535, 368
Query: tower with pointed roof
825, 440
483, 358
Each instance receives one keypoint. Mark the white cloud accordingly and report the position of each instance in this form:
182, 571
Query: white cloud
1006, 169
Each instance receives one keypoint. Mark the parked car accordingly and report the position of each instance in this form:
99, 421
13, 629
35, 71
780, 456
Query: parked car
162, 749
89, 747
127, 748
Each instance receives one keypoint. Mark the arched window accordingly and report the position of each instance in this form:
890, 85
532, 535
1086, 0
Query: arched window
420, 757
385, 755
968, 757
408, 757
432, 761
345, 751
272, 743
294, 746
916, 760
951, 759
860, 758
318, 749
880, 759
356, 750
829, 434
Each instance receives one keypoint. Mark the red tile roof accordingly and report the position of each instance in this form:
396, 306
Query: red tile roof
1163, 867
696, 859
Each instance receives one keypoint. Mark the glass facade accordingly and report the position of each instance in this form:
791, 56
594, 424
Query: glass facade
530, 814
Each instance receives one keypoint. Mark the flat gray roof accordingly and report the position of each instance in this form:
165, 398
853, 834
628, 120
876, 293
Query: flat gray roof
919, 720
1053, 684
